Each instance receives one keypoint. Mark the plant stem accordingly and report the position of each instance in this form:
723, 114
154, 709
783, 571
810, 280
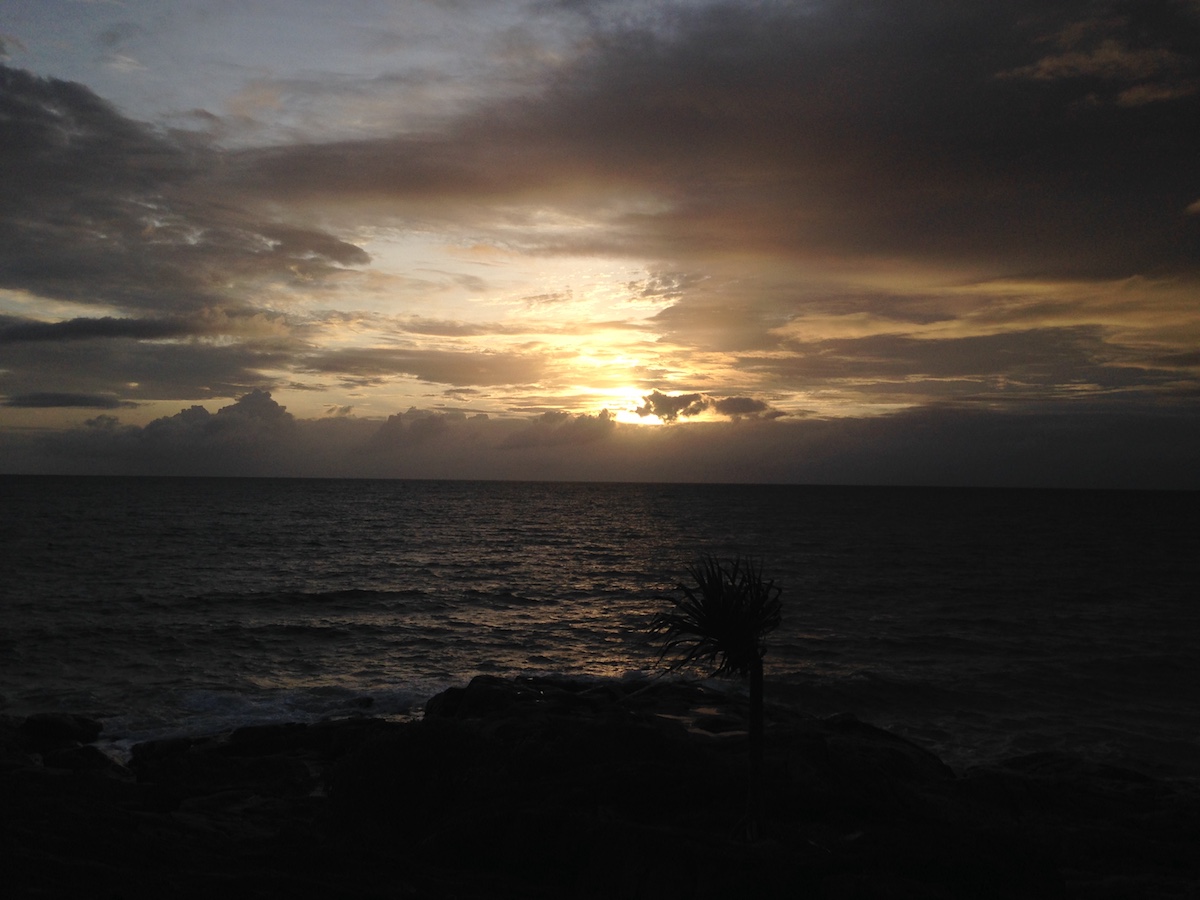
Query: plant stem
754, 799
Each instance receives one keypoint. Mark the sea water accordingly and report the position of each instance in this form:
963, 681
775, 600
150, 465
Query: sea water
978, 623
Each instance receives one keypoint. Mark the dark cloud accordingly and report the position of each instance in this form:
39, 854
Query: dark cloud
733, 316
877, 128
670, 285
1057, 445
252, 436
1134, 55
53, 401
670, 407
371, 364
103, 210
1004, 367
557, 429
1188, 360
258, 406
1046, 355
107, 212
410, 324
737, 407
138, 369
7, 43
984, 207
413, 428
118, 34
81, 329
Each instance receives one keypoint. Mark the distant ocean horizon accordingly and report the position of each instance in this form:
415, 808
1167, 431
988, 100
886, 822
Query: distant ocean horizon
979, 622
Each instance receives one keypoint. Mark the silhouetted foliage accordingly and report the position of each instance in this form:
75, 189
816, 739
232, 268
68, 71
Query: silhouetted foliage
723, 621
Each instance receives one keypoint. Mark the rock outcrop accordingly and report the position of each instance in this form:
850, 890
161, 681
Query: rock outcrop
552, 788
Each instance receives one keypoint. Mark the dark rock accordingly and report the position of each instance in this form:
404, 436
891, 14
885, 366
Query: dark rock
149, 752
14, 752
332, 739
207, 770
85, 758
719, 724
548, 788
45, 728
865, 746
257, 740
444, 705
488, 696
485, 695
1117, 832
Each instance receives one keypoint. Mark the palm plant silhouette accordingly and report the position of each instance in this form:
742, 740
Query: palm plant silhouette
723, 621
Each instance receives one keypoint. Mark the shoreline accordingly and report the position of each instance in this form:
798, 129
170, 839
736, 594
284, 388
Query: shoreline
540, 787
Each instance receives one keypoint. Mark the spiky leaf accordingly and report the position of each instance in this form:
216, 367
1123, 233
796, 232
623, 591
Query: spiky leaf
723, 619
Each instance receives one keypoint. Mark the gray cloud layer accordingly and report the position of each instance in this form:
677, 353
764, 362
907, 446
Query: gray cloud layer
1056, 447
1040, 159
934, 131
102, 210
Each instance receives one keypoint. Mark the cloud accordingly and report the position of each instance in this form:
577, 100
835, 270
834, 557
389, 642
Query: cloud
371, 364
1001, 369
773, 214
1054, 445
141, 370
9, 43
737, 407
254, 422
82, 328
553, 298
59, 401
113, 215
105, 211
413, 428
866, 130
670, 407
118, 34
122, 62
253, 436
1135, 56
557, 429
1108, 60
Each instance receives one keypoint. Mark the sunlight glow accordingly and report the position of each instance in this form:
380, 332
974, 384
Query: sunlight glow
622, 403
630, 417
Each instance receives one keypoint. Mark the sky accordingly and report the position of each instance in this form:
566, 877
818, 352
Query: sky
852, 241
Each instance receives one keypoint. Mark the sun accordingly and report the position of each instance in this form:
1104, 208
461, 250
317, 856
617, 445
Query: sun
625, 404
631, 417
622, 404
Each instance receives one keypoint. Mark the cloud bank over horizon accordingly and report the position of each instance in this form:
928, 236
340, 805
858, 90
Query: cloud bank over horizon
930, 446
879, 241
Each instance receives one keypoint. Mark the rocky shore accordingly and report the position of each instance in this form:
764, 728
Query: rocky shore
545, 788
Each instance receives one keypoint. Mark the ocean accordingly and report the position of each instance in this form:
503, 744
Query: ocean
979, 623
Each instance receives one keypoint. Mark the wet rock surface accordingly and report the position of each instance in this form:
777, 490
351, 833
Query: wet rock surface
545, 788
